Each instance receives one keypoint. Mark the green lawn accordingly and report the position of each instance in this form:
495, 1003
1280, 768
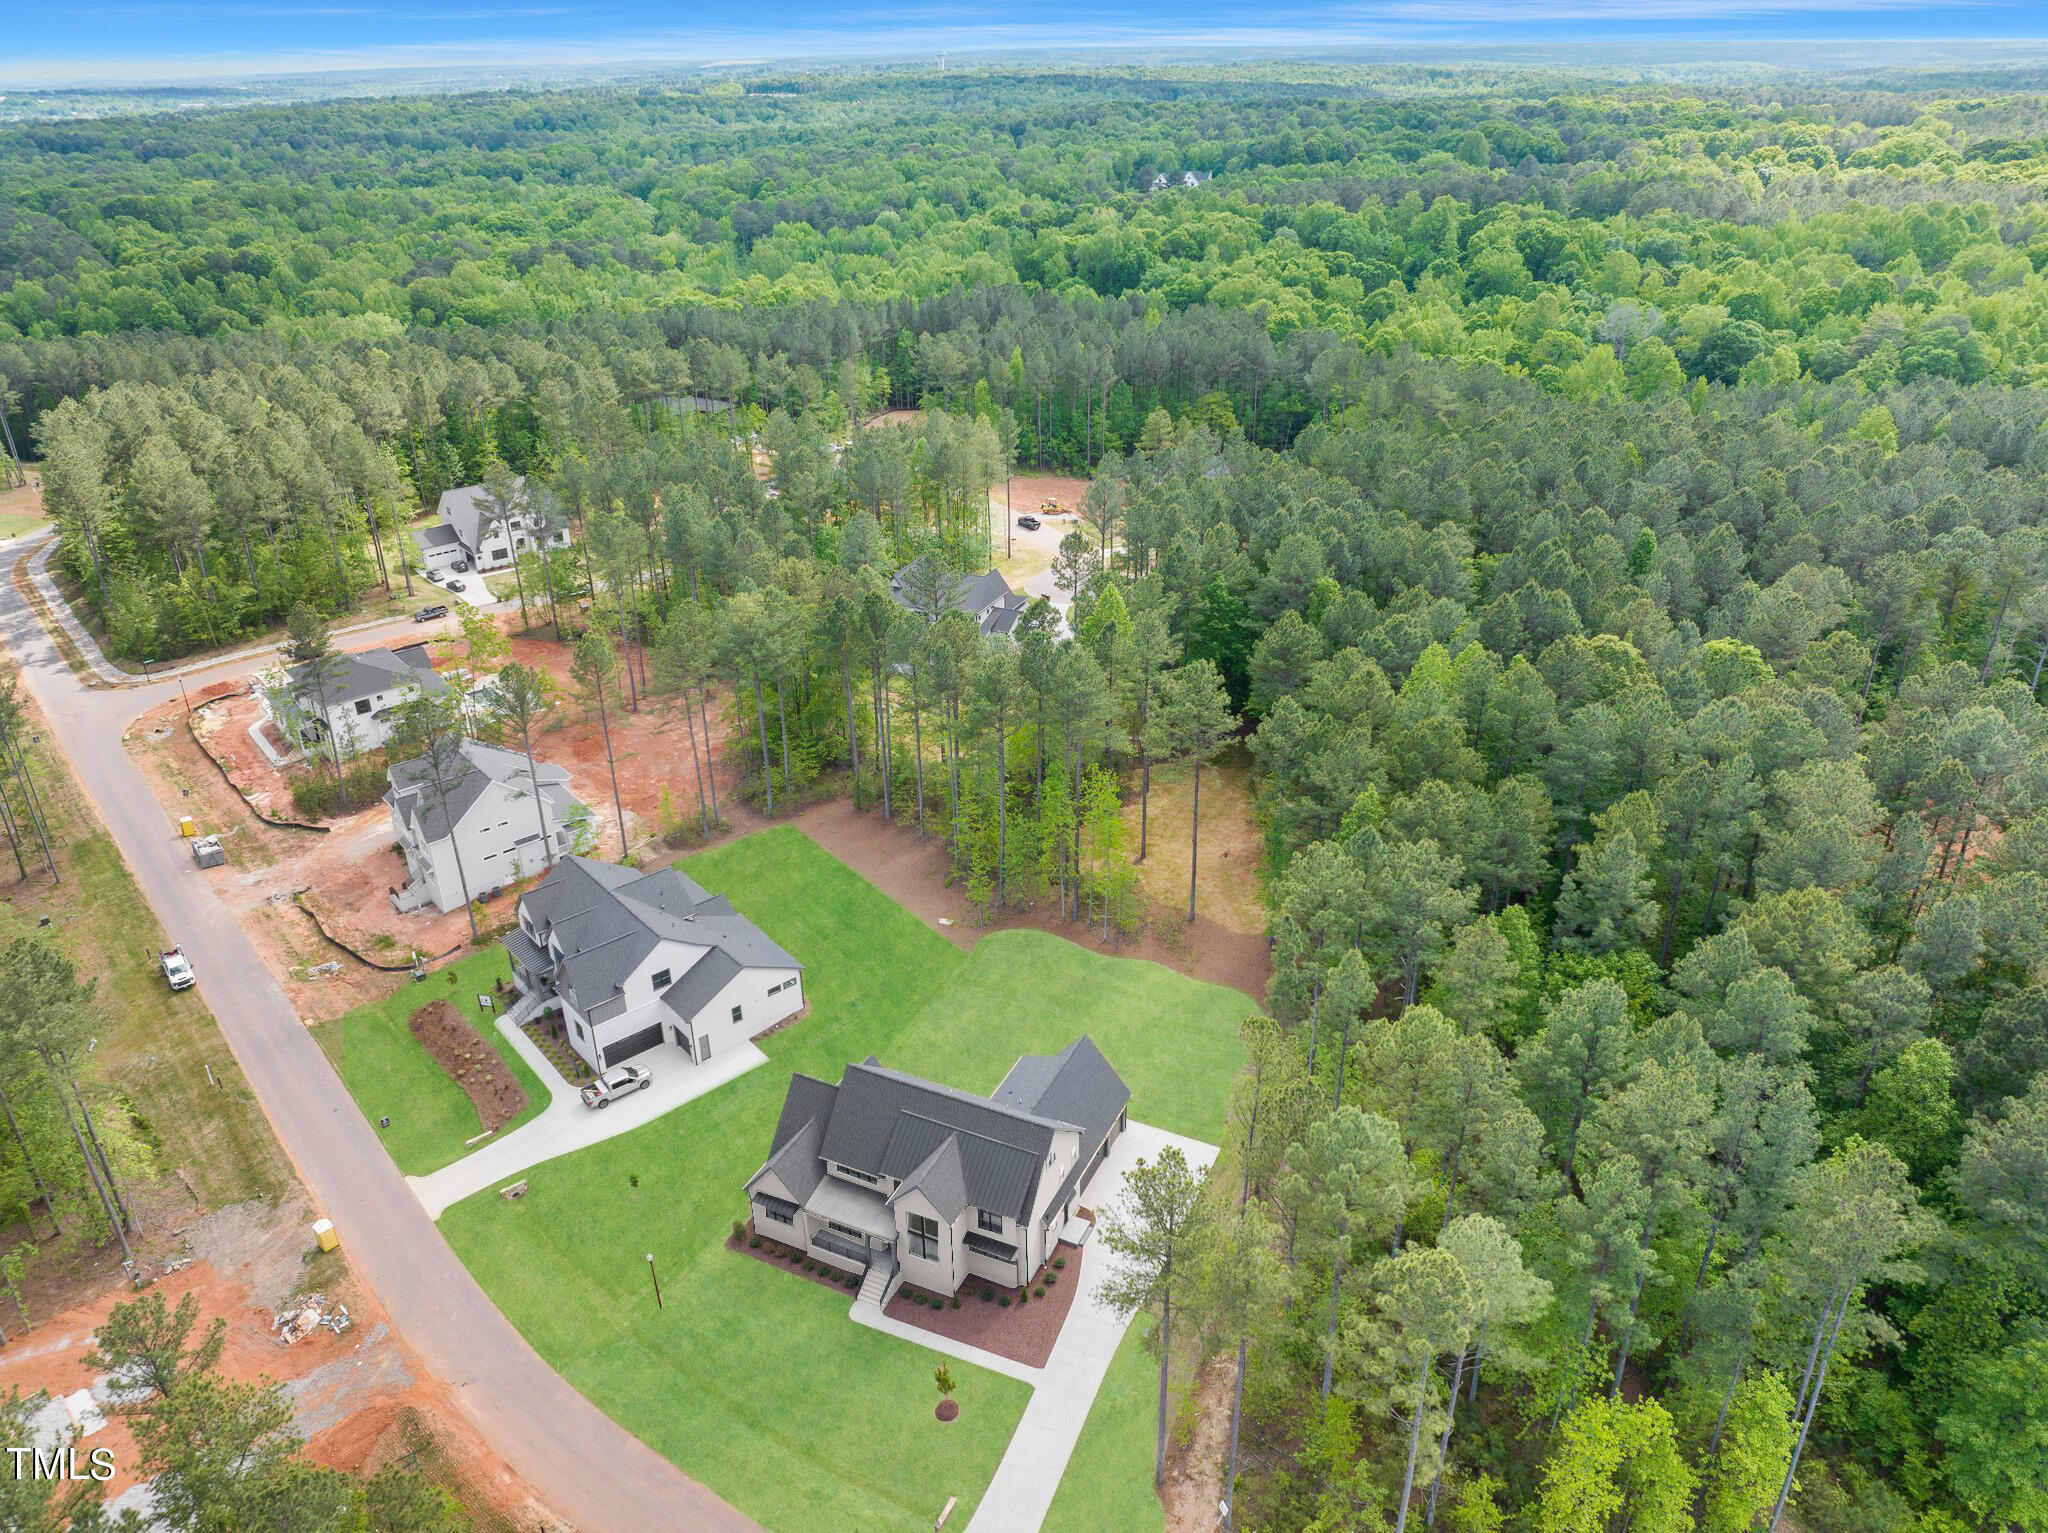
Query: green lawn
1108, 1483
754, 1382
390, 1075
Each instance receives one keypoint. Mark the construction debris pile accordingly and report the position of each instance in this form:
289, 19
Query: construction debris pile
306, 1315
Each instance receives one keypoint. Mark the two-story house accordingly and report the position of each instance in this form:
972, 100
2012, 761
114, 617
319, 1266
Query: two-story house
484, 541
987, 599
361, 696
906, 1180
490, 821
633, 961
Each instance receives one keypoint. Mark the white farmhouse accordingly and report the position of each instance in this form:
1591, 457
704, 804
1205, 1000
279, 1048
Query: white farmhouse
481, 541
902, 1179
488, 829
361, 697
635, 961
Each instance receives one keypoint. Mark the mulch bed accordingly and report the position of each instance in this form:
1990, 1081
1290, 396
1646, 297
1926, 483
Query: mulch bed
776, 1253
947, 1410
471, 1063
1024, 1333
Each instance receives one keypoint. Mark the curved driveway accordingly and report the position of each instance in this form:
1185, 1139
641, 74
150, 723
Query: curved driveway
590, 1469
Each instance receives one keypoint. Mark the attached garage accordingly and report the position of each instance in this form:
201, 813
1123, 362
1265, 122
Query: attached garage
633, 1043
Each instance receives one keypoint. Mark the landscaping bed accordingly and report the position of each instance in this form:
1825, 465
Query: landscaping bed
779, 1253
548, 1037
1024, 1331
471, 1063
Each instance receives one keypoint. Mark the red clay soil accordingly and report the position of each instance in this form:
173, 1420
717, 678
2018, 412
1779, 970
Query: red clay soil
1030, 491
913, 873
1024, 1333
790, 1259
471, 1063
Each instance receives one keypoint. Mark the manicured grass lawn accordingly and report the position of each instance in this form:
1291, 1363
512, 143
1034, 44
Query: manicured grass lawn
1108, 1483
757, 1383
390, 1075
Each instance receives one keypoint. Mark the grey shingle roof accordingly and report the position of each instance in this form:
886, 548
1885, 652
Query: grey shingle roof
414, 796
1076, 1085
795, 1161
942, 1177
701, 981
351, 677
971, 593
462, 509
439, 535
608, 919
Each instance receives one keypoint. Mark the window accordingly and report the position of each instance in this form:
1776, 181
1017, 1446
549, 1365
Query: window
862, 1176
772, 989
362, 705
777, 1210
989, 1221
736, 1013
661, 979
924, 1237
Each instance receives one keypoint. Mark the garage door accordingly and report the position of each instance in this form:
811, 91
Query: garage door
637, 1043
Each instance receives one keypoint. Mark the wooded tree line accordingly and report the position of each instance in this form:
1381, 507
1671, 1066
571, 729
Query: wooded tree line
1630, 597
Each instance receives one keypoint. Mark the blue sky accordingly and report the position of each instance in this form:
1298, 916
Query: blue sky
174, 39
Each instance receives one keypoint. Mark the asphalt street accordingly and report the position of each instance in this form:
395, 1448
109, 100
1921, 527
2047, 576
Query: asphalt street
591, 1470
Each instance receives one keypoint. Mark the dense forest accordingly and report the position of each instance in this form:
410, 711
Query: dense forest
1612, 516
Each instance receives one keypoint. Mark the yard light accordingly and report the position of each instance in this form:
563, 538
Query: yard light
657, 1281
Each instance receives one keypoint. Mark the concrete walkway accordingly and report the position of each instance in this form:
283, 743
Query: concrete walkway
1019, 1497
566, 1125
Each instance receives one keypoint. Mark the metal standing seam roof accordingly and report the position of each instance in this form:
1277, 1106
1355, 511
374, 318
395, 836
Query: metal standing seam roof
439, 535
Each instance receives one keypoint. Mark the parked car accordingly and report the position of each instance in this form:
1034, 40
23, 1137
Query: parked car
177, 968
455, 585
428, 614
1029, 523
462, 566
616, 1082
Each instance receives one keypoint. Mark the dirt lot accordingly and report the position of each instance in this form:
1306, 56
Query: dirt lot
492, 1089
348, 874
21, 508
1231, 889
356, 1397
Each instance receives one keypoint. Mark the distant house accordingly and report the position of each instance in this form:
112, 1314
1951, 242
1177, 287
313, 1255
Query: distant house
363, 692
634, 960
905, 1180
484, 543
987, 599
489, 816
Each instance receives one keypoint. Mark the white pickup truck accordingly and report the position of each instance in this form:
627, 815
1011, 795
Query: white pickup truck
616, 1083
177, 968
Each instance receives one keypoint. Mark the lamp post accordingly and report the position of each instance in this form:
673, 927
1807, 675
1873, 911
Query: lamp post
657, 1281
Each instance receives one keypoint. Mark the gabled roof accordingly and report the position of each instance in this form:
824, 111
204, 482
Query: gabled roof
1076, 1085
414, 797
795, 1161
439, 535
942, 1177
365, 674
702, 981
607, 919
971, 593
463, 509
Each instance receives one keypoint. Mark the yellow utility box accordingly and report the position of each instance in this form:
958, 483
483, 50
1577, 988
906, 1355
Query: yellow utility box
323, 1232
187, 826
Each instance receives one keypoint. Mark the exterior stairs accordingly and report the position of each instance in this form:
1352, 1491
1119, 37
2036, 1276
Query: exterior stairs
880, 1283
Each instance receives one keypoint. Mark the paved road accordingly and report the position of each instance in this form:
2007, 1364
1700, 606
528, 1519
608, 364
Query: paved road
591, 1470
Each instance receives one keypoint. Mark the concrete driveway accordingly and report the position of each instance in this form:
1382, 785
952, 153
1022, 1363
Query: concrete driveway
567, 1125
1019, 1497
590, 1468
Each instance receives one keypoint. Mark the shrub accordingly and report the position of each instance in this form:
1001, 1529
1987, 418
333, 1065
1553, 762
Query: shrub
810, 1266
1060, 1262
1004, 1301
1052, 1277
918, 1300
987, 1294
754, 1243
956, 1302
1038, 1292
1023, 1297
739, 1226
853, 1282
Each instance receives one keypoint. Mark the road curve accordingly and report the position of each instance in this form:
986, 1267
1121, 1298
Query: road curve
588, 1468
